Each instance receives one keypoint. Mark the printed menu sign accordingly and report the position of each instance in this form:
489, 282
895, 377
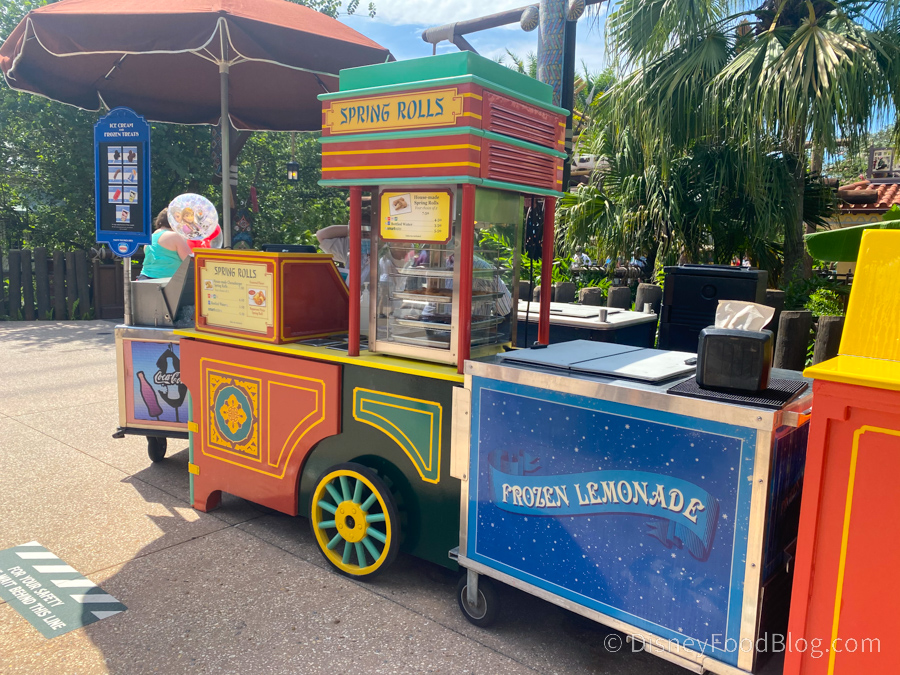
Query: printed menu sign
416, 216
237, 295
122, 168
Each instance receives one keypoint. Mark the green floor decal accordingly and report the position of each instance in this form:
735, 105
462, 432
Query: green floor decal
54, 597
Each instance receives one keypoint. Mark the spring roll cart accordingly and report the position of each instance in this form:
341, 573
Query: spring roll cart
290, 409
595, 478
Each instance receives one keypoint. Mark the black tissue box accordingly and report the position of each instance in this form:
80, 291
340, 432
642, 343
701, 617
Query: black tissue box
734, 360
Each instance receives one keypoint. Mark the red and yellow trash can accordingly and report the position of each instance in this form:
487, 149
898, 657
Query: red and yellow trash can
845, 607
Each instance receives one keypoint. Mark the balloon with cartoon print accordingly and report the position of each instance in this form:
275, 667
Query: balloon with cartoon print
193, 217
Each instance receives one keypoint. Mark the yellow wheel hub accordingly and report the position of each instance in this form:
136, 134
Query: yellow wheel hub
350, 521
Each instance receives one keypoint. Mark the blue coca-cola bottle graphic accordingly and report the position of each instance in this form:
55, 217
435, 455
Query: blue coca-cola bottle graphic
168, 378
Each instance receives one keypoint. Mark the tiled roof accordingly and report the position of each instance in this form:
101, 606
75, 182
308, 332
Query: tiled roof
888, 195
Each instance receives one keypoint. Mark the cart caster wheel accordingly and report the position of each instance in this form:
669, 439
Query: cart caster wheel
156, 448
354, 520
488, 608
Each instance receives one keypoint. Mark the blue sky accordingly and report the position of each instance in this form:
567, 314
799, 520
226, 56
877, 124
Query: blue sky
398, 25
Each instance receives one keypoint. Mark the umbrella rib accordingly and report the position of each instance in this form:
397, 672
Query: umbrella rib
115, 65
211, 58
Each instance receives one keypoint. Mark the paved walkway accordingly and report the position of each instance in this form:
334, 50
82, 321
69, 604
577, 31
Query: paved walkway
240, 590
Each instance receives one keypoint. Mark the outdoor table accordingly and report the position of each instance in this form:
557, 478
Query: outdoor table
581, 322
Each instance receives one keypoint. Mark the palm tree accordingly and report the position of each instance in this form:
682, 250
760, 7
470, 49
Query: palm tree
526, 66
699, 208
766, 79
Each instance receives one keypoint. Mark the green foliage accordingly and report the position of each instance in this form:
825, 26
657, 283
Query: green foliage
893, 213
526, 65
826, 302
289, 213
819, 295
560, 271
804, 71
333, 7
699, 203
47, 168
46, 172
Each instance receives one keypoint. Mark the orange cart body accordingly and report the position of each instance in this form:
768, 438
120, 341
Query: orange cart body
844, 609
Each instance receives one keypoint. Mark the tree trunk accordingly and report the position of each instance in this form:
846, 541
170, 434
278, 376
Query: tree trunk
652, 253
797, 264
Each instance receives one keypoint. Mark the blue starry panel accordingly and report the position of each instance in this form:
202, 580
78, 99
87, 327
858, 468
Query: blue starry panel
639, 514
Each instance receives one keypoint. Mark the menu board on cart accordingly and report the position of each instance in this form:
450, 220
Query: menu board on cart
122, 181
237, 295
416, 216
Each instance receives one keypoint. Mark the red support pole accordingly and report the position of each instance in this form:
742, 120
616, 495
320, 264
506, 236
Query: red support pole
355, 268
546, 271
466, 249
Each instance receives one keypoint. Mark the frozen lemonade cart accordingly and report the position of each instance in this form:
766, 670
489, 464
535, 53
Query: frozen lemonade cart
594, 477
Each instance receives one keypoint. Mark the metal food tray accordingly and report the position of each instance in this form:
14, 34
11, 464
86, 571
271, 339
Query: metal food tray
420, 341
427, 299
433, 273
442, 344
417, 323
488, 323
437, 326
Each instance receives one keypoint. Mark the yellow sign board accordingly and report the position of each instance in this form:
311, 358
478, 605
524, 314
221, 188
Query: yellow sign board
416, 216
434, 108
237, 295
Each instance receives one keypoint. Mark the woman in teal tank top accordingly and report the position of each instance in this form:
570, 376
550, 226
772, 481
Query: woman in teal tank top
163, 256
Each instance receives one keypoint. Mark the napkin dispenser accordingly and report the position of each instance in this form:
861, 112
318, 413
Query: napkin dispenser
732, 360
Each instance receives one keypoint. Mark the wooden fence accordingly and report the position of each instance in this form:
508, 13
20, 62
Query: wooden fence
60, 286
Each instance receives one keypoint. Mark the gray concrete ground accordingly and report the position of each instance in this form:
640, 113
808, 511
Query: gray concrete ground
240, 590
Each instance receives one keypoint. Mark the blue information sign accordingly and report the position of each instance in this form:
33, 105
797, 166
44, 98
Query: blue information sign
122, 180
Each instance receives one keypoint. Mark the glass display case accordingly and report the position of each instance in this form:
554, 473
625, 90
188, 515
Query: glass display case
417, 298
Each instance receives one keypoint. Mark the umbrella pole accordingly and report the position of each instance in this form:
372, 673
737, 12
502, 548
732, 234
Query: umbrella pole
226, 157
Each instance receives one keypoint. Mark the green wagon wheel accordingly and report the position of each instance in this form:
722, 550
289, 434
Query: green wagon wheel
354, 519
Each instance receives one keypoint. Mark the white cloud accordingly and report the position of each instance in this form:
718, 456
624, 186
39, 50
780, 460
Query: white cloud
398, 25
437, 12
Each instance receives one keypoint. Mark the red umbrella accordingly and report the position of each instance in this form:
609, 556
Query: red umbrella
260, 64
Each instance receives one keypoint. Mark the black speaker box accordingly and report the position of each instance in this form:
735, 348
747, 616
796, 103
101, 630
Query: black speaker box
736, 361
691, 295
